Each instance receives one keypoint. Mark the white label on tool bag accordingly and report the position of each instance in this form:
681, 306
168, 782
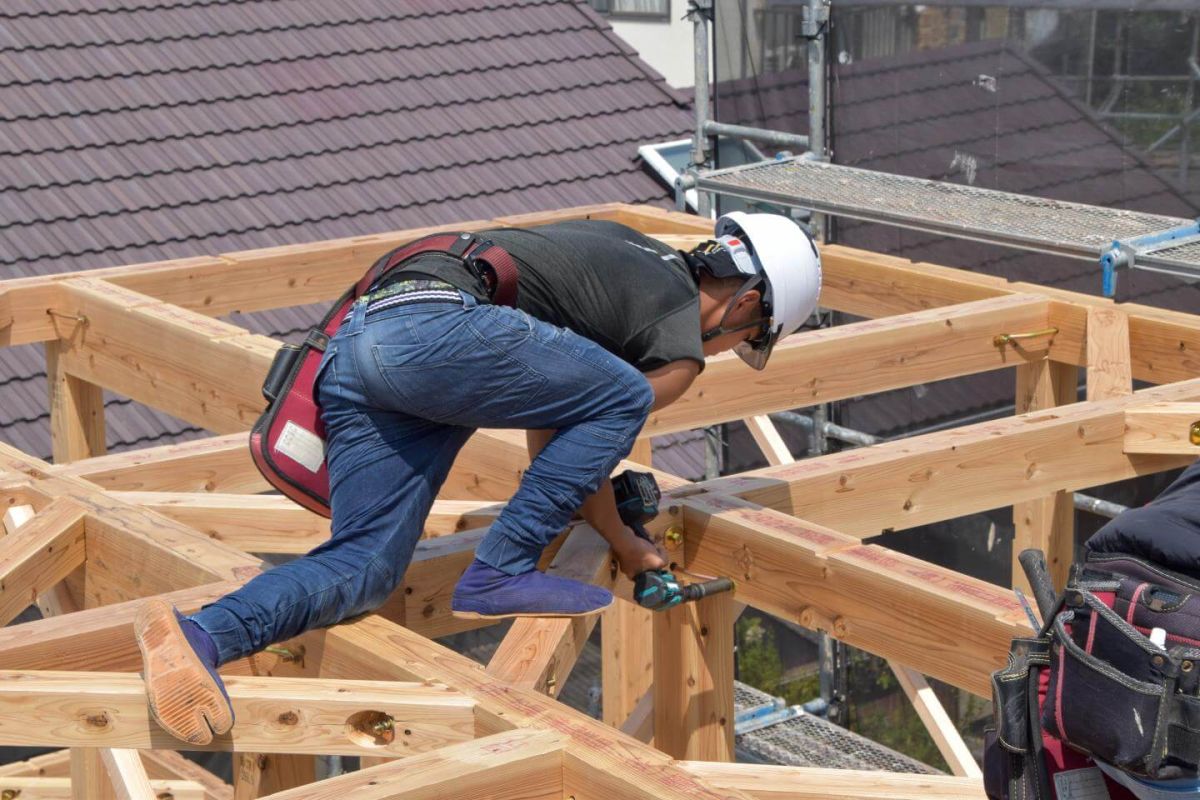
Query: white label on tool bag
302, 446
1080, 784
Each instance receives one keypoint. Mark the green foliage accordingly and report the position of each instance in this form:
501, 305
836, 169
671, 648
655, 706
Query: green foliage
758, 656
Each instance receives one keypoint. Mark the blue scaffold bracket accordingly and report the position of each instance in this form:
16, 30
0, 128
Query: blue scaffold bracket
1124, 252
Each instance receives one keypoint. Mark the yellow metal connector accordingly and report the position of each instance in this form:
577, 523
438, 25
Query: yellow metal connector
673, 537
1194, 433
1009, 338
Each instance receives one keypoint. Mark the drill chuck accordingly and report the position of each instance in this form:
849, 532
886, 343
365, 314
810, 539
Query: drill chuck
696, 591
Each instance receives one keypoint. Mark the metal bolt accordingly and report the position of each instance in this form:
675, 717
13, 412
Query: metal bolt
10, 794
673, 537
287, 654
1194, 433
383, 726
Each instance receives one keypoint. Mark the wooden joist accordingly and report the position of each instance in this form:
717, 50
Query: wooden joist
273, 715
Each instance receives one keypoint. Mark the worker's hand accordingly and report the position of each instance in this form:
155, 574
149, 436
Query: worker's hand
636, 555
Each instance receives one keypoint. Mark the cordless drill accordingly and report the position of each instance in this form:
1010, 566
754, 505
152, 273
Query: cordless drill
637, 496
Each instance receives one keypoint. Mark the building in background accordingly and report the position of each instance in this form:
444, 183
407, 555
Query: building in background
659, 31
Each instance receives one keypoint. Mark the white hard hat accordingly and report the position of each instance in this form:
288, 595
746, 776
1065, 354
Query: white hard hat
778, 249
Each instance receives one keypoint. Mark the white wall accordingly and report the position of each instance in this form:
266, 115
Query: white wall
666, 46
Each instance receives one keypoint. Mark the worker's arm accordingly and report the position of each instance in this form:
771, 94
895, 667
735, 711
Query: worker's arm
600, 510
670, 381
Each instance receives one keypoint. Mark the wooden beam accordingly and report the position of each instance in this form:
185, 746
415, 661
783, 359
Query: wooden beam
59, 788
954, 628
767, 782
128, 776
370, 646
1046, 523
96, 639
1109, 373
214, 464
860, 358
518, 765
769, 442
941, 729
36, 557
640, 722
539, 653
938, 476
1163, 428
627, 659
203, 371
134, 552
251, 522
693, 679
284, 715
57, 599
76, 411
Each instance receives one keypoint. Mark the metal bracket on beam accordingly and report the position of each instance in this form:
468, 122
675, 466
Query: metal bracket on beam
1124, 252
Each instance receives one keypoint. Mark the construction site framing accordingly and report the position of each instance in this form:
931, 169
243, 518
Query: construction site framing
91, 534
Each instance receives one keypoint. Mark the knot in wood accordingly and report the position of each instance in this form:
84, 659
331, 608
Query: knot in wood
288, 718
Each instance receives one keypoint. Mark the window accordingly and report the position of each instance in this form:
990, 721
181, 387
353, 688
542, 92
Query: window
649, 10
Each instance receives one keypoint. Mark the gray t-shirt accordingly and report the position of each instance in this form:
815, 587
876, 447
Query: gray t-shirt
629, 294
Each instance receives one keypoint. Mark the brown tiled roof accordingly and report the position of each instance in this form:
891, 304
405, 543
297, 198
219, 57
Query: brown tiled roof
134, 131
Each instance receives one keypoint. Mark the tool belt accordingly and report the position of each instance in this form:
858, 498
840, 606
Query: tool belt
1092, 685
288, 440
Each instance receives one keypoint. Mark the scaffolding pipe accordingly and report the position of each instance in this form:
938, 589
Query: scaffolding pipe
1094, 505
778, 138
699, 11
814, 28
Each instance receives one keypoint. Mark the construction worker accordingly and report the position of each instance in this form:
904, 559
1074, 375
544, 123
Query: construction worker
609, 326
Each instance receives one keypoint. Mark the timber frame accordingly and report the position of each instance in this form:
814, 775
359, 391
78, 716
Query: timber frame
90, 535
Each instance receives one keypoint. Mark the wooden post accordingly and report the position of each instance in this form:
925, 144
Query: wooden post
126, 774
1109, 368
627, 659
89, 778
1046, 523
259, 774
76, 411
693, 680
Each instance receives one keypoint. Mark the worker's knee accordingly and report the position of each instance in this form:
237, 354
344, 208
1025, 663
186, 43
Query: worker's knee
379, 580
642, 397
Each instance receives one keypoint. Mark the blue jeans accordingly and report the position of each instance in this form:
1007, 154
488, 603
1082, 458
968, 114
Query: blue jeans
401, 391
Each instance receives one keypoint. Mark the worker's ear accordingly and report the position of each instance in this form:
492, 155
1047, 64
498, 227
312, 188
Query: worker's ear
749, 302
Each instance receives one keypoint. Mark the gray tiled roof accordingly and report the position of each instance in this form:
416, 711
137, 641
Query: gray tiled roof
139, 131
926, 113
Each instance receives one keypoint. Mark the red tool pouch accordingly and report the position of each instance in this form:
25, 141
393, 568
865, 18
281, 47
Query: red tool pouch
288, 440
